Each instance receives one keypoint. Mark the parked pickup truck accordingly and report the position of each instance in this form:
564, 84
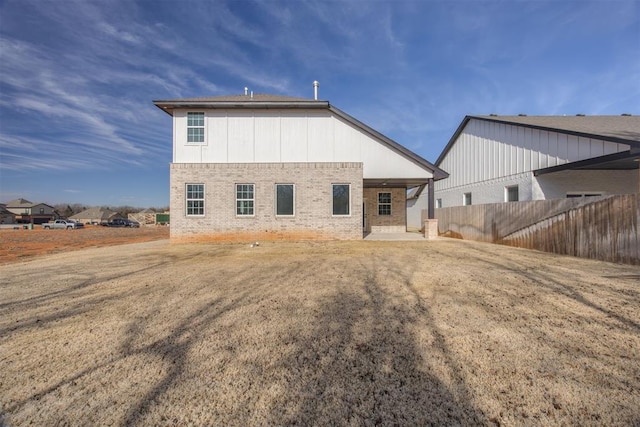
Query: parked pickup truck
123, 222
62, 223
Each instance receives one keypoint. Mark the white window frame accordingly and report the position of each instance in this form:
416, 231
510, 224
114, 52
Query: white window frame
194, 199
252, 200
385, 204
333, 185
464, 199
293, 201
203, 127
506, 193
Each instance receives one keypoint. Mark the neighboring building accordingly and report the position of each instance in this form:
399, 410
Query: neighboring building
269, 166
95, 216
6, 217
494, 159
149, 217
27, 212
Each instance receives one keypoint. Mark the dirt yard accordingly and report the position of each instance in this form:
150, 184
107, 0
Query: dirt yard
334, 333
22, 244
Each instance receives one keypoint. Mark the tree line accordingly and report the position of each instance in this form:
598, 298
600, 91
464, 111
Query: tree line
66, 210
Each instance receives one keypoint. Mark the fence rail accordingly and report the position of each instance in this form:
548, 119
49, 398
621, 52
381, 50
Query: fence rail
604, 227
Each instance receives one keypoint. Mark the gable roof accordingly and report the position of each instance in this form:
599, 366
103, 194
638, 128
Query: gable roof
5, 211
619, 129
23, 203
19, 203
261, 101
94, 213
240, 101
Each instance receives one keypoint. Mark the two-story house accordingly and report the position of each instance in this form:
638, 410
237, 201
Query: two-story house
28, 212
276, 167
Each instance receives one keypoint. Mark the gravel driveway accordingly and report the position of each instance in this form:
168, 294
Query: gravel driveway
327, 333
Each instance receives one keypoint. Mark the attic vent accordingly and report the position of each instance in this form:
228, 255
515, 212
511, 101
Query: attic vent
579, 115
522, 115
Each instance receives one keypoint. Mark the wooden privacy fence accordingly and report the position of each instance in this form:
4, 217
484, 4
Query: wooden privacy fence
604, 227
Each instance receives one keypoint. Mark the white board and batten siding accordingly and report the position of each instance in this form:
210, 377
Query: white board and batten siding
489, 156
288, 137
487, 150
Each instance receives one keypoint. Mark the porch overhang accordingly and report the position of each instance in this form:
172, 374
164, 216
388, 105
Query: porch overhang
394, 182
619, 161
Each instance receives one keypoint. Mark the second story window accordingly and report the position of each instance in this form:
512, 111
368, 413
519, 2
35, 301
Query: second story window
195, 127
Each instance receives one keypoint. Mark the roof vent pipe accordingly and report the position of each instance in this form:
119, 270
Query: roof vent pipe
316, 84
246, 91
251, 94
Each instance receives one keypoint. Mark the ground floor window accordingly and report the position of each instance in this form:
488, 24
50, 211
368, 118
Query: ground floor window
466, 199
571, 195
438, 203
285, 196
245, 199
341, 199
511, 194
384, 204
195, 199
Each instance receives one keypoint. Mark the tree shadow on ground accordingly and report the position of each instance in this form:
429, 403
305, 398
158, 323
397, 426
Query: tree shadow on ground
545, 279
362, 365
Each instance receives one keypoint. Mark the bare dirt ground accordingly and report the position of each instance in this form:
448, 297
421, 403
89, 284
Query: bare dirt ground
326, 333
21, 244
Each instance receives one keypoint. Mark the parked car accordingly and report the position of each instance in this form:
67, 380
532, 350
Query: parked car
62, 224
123, 222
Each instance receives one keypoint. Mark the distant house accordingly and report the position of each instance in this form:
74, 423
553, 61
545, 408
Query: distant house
269, 166
149, 217
493, 159
6, 216
27, 212
95, 216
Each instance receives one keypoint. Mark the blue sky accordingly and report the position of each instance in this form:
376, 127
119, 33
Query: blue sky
77, 79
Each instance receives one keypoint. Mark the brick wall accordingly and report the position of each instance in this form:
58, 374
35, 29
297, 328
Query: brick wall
313, 217
397, 221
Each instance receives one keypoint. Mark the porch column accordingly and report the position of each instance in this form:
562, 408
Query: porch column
431, 200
